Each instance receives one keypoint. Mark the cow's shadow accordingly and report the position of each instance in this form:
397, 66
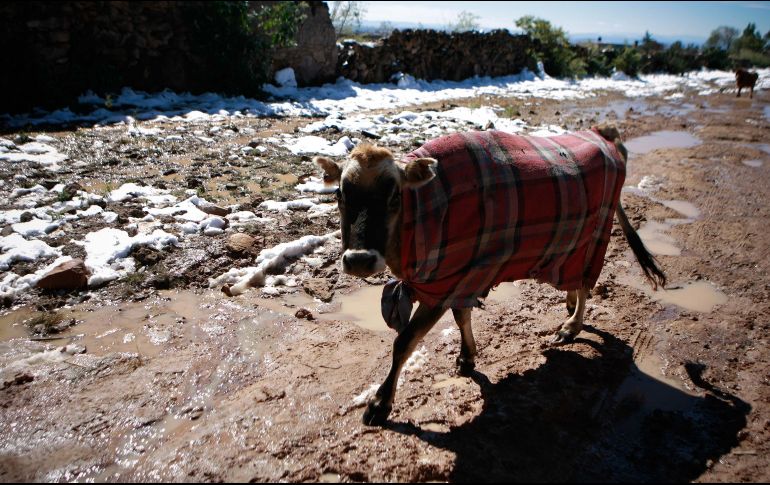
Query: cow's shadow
590, 419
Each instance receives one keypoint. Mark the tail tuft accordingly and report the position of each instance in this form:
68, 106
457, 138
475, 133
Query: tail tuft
647, 261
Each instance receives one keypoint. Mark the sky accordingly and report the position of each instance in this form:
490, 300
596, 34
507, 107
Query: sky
665, 19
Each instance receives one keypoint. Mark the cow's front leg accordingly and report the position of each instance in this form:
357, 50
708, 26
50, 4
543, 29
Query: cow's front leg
423, 320
466, 360
739, 92
569, 330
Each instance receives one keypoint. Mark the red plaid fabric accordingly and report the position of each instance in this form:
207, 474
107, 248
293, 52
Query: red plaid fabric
505, 207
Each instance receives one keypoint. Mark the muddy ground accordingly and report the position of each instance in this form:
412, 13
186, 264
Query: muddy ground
180, 383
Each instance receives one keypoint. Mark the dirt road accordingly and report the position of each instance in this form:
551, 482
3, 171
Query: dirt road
185, 384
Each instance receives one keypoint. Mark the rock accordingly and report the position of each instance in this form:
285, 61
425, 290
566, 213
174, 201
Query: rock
49, 183
320, 288
6, 231
212, 209
70, 275
239, 243
18, 379
304, 313
146, 255
26, 216
72, 188
160, 281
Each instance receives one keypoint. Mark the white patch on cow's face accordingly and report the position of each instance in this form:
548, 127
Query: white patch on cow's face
362, 262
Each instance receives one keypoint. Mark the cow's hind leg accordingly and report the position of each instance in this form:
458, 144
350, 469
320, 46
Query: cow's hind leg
571, 302
572, 327
466, 360
423, 320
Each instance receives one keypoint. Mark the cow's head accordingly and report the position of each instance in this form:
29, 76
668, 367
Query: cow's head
369, 200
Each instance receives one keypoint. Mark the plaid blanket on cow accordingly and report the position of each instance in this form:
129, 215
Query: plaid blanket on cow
505, 207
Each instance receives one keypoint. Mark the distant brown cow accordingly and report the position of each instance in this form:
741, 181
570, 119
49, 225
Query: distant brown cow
746, 79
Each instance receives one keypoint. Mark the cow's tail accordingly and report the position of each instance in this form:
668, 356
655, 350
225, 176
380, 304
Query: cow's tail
647, 261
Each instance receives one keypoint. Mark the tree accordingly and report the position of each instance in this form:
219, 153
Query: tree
554, 49
347, 16
722, 37
281, 20
750, 40
466, 22
650, 45
747, 50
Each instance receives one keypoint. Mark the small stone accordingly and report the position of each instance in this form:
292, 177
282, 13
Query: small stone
239, 243
304, 313
320, 288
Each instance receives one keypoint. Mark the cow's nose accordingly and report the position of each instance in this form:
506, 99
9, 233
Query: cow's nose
359, 263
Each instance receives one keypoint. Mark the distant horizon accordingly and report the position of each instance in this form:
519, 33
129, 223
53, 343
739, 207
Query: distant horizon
616, 38
667, 22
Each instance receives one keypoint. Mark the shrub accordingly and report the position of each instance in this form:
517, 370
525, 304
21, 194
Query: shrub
629, 61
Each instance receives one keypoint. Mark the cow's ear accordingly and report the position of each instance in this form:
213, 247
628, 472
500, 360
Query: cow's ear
332, 170
419, 172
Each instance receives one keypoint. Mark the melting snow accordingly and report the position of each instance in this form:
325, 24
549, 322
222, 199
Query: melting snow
269, 260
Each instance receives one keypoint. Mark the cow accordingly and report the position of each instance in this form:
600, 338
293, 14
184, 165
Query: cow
470, 210
746, 79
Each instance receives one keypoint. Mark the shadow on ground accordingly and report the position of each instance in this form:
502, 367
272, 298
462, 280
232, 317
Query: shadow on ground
568, 421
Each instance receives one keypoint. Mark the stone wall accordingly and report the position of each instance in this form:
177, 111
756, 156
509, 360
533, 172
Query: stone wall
55, 51
430, 54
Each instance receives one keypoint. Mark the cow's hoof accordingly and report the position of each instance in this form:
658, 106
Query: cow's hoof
563, 337
465, 366
376, 413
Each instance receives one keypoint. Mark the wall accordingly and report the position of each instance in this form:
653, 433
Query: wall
55, 51
430, 54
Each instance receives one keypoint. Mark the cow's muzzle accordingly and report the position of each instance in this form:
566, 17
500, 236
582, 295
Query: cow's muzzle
362, 262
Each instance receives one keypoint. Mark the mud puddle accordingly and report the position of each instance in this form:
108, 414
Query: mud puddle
504, 292
361, 307
143, 328
13, 324
655, 237
698, 296
661, 139
146, 328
